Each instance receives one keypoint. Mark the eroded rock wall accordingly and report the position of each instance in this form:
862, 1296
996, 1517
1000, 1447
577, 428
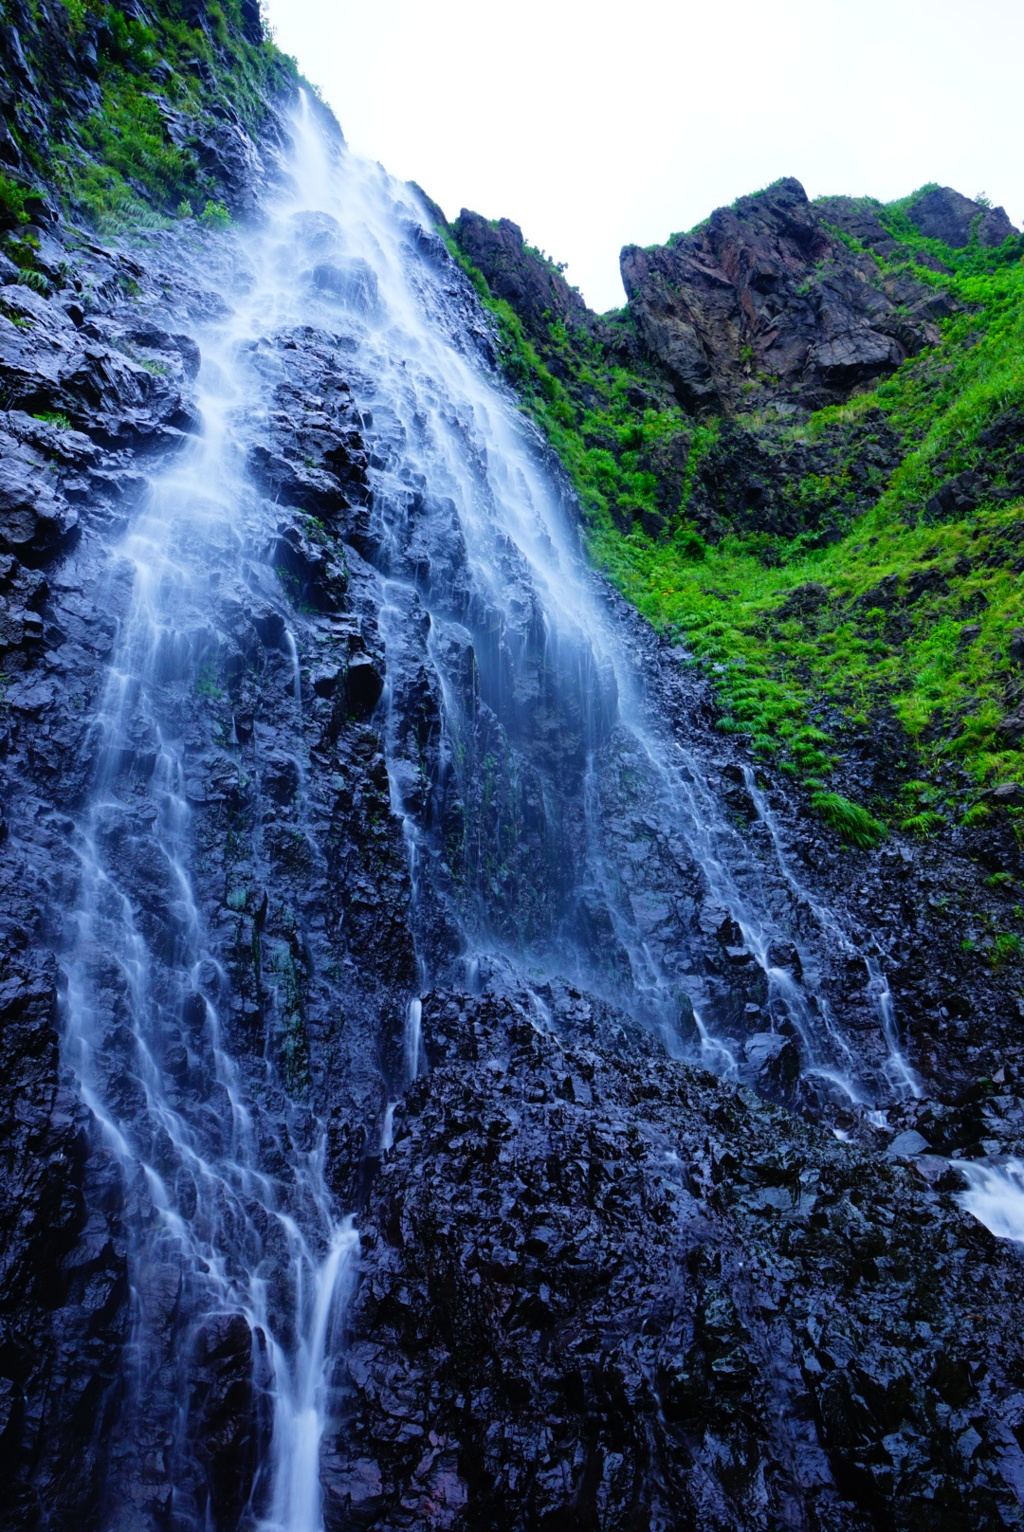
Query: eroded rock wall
765, 293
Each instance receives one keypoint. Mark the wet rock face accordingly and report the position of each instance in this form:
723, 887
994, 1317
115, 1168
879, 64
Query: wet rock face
62, 1251
763, 292
119, 382
605, 1291
301, 873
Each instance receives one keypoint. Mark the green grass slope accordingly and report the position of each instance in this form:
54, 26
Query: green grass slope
890, 614
120, 107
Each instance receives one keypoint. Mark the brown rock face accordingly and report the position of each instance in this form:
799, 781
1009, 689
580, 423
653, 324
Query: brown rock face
764, 300
534, 287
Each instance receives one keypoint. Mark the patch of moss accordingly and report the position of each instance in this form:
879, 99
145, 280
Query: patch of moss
1007, 947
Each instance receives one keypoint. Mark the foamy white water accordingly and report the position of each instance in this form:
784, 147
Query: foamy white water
995, 1196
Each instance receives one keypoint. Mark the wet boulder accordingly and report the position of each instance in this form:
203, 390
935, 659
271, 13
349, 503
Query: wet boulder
309, 489
364, 682
311, 454
231, 1365
35, 519
310, 568
354, 284
89, 375
774, 1064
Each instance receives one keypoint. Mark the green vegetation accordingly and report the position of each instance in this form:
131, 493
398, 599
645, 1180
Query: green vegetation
894, 619
12, 203
1006, 947
206, 685
214, 215
925, 823
851, 822
123, 168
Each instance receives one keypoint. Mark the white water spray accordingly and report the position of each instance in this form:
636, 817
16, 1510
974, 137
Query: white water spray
995, 1196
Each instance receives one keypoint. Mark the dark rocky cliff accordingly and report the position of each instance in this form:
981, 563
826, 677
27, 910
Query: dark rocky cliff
764, 293
599, 1287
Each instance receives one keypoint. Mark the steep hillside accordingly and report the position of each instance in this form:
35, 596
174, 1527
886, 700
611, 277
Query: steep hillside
801, 449
125, 117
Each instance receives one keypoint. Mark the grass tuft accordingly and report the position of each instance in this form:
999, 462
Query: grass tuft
851, 822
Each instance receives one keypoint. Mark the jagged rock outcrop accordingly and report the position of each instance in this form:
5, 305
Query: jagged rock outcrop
762, 300
534, 287
947, 215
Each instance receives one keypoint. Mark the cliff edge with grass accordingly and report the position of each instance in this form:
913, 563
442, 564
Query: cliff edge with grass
800, 450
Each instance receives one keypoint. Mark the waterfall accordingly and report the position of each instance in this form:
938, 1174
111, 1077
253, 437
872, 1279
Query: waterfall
235, 1238
554, 817
555, 830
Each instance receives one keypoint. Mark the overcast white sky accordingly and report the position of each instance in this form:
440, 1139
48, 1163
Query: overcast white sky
596, 125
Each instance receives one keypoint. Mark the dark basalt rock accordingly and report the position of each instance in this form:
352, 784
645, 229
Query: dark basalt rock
34, 520
1011, 727
62, 1254
763, 296
604, 1290
114, 382
945, 214
230, 1406
855, 216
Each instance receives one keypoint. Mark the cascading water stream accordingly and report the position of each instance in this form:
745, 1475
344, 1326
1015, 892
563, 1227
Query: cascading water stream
995, 1196
232, 1219
545, 740
554, 830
